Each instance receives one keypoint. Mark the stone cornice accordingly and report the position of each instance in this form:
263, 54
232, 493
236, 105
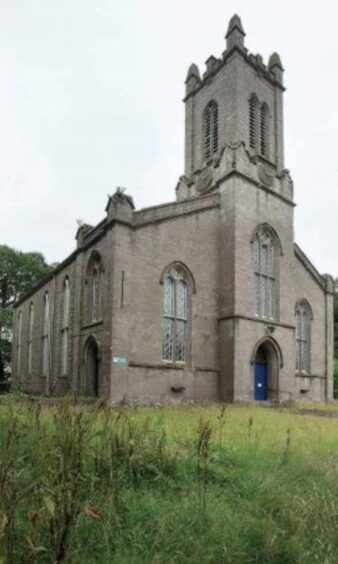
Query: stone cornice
264, 322
247, 57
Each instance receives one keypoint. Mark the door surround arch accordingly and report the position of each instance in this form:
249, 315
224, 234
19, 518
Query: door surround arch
266, 353
92, 365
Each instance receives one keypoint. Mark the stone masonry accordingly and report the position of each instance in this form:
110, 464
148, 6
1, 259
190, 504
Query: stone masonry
234, 183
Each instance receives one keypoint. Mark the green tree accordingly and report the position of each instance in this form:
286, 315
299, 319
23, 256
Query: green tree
18, 272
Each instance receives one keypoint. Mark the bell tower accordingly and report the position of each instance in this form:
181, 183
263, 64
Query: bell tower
234, 147
234, 112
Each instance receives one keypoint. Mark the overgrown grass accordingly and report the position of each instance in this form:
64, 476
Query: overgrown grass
186, 484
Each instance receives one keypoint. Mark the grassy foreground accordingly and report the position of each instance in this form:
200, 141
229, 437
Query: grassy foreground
193, 484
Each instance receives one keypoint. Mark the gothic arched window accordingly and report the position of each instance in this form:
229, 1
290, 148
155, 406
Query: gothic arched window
303, 336
46, 335
210, 129
19, 342
94, 288
264, 130
30, 337
65, 325
253, 121
176, 313
266, 248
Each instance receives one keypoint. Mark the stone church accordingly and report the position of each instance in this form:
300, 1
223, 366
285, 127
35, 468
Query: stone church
206, 298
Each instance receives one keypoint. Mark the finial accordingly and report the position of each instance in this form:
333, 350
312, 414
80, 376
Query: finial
119, 204
235, 34
275, 66
275, 61
193, 71
235, 23
210, 63
193, 79
83, 230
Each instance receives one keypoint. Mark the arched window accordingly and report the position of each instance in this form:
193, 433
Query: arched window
253, 121
175, 314
65, 325
19, 342
30, 338
46, 336
266, 248
94, 288
210, 129
303, 336
264, 130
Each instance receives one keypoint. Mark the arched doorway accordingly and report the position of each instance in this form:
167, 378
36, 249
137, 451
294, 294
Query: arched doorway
266, 370
92, 359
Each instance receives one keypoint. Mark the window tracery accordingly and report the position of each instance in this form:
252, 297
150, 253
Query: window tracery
175, 314
265, 258
303, 337
65, 325
94, 288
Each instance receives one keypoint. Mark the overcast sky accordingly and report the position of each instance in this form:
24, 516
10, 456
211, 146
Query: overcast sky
91, 98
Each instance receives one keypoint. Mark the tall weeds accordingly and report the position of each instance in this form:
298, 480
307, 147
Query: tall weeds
203, 457
96, 484
8, 490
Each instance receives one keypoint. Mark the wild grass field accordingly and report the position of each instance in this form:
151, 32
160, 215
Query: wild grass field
187, 484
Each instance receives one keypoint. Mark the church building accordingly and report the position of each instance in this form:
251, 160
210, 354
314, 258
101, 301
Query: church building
206, 298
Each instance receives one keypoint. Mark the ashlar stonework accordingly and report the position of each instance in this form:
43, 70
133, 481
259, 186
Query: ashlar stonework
206, 298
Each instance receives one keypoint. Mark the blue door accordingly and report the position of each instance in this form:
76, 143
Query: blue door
261, 381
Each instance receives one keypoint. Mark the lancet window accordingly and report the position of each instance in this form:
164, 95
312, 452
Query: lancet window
30, 337
46, 336
265, 261
65, 326
176, 314
303, 337
210, 129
